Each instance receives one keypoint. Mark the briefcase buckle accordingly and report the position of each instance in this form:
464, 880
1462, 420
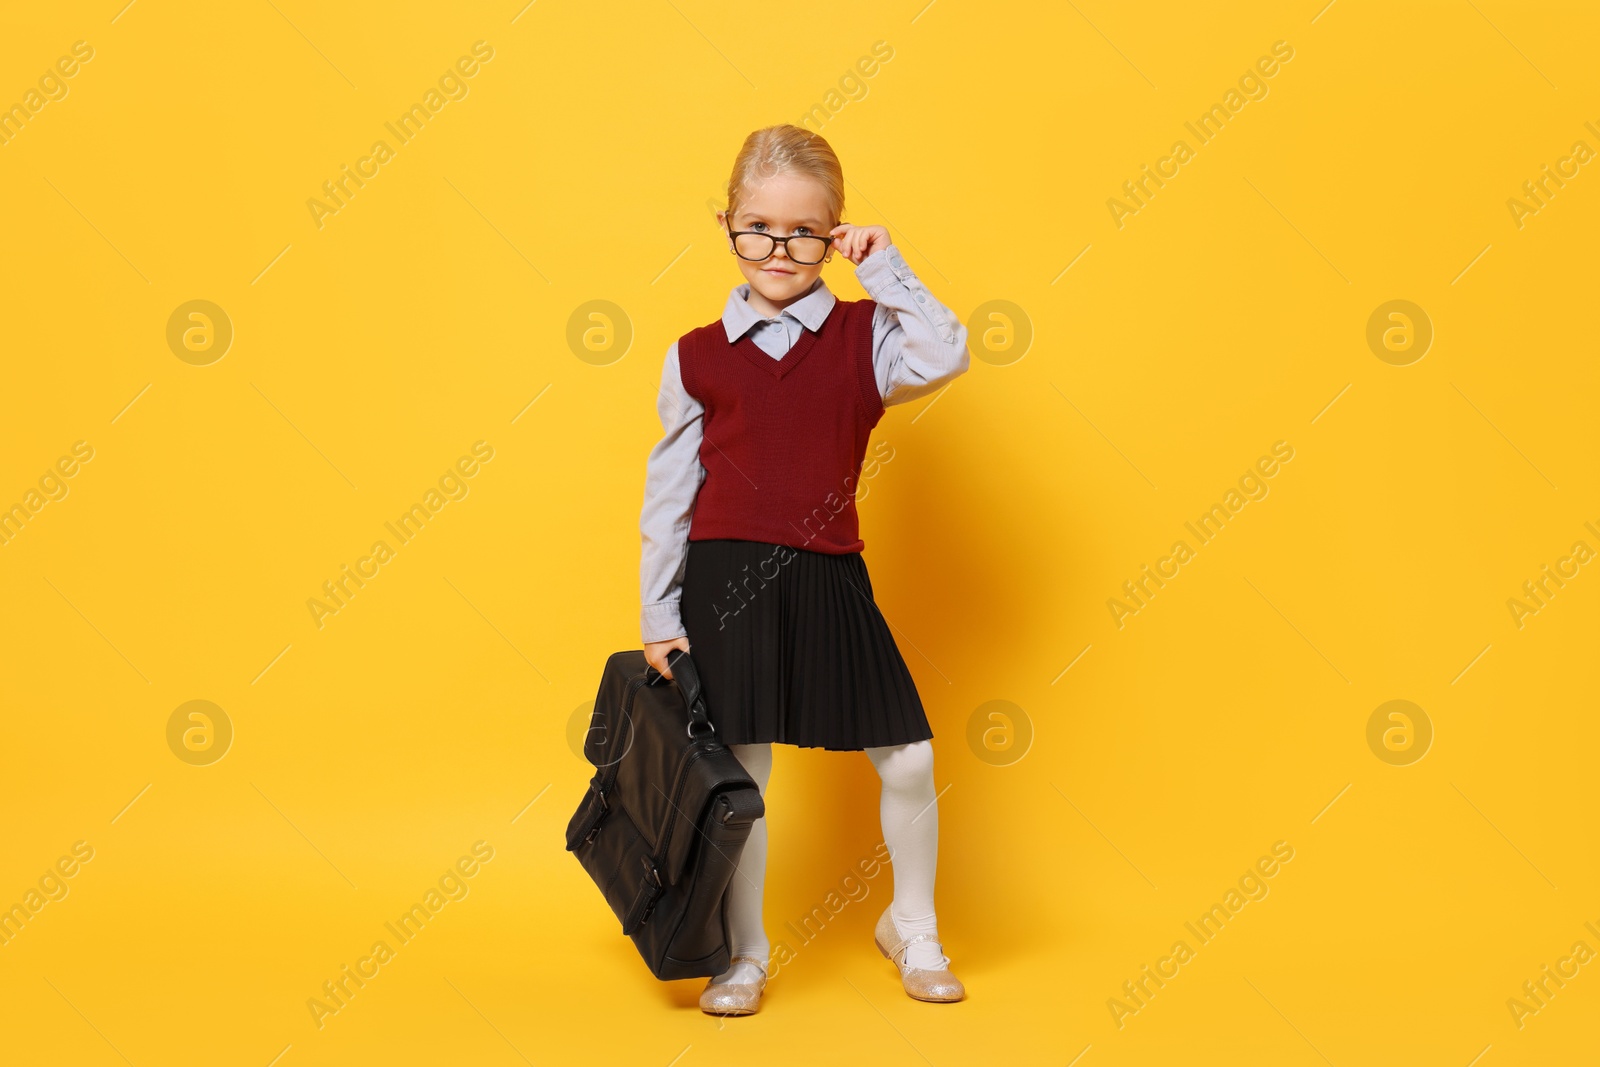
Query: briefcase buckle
594, 831
660, 887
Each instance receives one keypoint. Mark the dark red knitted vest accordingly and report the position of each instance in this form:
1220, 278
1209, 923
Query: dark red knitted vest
783, 439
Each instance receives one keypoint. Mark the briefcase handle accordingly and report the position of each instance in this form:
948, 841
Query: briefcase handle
688, 680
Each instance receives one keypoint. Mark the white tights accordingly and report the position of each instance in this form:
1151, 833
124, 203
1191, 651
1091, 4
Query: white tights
909, 813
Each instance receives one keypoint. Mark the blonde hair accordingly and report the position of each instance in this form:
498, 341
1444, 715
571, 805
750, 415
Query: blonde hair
787, 149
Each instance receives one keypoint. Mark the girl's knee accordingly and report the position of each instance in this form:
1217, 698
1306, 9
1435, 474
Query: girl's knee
907, 766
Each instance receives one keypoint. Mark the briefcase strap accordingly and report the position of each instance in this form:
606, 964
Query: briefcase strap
644, 902
688, 682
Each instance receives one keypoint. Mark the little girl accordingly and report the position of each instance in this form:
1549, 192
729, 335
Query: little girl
752, 557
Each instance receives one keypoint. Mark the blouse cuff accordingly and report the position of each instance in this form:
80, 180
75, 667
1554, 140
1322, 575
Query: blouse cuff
661, 622
885, 269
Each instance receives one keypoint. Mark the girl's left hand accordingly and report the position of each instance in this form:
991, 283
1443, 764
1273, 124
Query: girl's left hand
856, 243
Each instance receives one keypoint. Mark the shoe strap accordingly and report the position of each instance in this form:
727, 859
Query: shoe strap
899, 951
749, 959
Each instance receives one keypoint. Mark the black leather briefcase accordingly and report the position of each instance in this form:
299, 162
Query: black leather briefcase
666, 816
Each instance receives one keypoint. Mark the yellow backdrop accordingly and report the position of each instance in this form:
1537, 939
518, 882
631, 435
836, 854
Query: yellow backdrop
1248, 576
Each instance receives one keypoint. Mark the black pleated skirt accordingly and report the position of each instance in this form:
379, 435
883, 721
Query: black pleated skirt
792, 648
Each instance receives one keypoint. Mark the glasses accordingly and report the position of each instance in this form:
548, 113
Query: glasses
755, 246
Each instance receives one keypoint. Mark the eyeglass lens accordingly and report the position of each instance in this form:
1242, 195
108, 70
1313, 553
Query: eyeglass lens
758, 246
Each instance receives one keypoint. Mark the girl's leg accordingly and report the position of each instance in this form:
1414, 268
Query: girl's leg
909, 812
745, 930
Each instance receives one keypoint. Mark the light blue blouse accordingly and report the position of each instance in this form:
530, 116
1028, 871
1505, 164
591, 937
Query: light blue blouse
918, 345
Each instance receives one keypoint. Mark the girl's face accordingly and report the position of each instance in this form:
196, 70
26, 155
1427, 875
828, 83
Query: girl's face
783, 205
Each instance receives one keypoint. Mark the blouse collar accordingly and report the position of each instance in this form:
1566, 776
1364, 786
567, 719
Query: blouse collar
810, 311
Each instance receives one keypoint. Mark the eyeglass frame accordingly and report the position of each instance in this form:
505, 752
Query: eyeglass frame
734, 235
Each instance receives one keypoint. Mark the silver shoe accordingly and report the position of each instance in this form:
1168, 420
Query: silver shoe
921, 983
735, 998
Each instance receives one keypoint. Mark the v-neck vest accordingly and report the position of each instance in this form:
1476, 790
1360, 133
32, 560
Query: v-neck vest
783, 439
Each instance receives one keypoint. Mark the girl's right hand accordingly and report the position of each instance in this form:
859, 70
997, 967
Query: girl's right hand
655, 653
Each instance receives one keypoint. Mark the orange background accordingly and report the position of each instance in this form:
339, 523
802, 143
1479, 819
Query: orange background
1125, 378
